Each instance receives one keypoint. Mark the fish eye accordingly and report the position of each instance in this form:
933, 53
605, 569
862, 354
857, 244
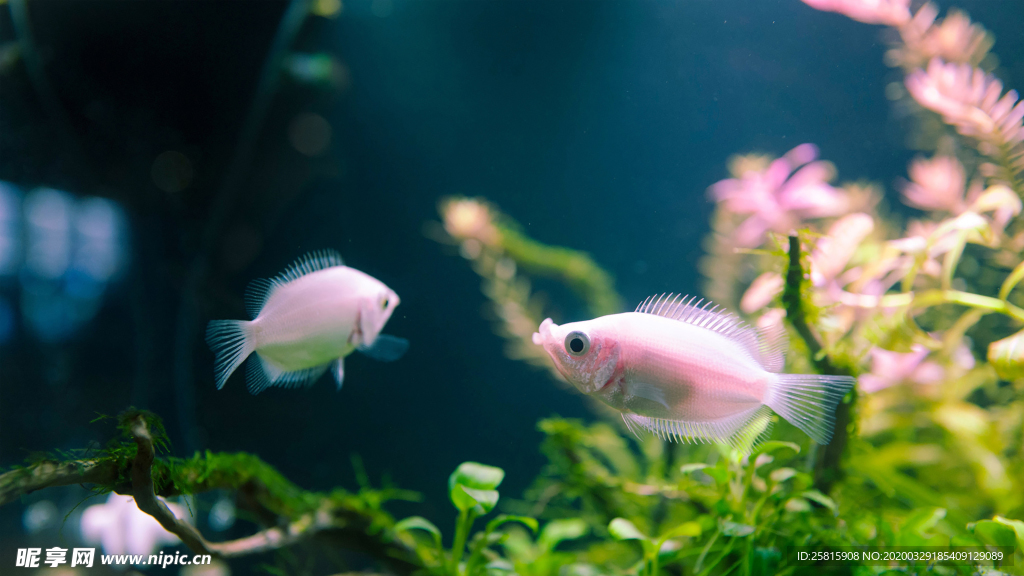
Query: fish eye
577, 343
384, 304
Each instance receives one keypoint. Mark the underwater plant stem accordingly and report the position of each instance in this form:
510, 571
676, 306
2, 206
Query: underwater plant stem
950, 261
17, 483
827, 464
1011, 281
462, 526
574, 268
704, 552
936, 297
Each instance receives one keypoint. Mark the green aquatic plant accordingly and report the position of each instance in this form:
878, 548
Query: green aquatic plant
699, 509
472, 489
507, 260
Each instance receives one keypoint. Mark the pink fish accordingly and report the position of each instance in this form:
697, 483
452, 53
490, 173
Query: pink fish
305, 321
686, 372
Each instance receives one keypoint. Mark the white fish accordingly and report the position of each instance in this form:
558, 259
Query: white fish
305, 321
689, 373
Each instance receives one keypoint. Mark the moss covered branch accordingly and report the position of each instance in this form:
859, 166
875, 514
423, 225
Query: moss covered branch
290, 514
828, 460
17, 483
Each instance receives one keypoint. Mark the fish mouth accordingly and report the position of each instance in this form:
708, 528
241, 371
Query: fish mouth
543, 332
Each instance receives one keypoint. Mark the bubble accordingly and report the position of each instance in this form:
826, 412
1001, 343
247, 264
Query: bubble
39, 516
172, 172
222, 515
310, 134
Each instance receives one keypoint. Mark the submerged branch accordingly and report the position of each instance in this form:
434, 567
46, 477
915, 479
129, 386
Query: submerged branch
145, 498
829, 457
17, 483
294, 516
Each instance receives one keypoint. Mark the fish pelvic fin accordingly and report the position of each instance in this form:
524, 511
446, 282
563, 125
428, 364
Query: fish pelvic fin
741, 431
263, 373
338, 369
386, 348
767, 348
231, 343
808, 401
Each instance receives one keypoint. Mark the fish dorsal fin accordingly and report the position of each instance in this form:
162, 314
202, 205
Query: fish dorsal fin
260, 289
769, 352
312, 262
256, 295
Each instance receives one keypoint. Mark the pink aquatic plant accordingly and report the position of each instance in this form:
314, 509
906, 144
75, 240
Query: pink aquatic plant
888, 12
778, 198
969, 99
954, 39
889, 368
937, 185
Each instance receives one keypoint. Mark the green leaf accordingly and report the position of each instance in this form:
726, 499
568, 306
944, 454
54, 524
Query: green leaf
687, 468
559, 530
462, 500
773, 446
797, 505
468, 498
765, 561
736, 529
719, 473
821, 499
1018, 528
500, 565
992, 532
918, 528
420, 523
475, 475
530, 523
964, 540
781, 474
622, 529
923, 520
691, 529
1007, 356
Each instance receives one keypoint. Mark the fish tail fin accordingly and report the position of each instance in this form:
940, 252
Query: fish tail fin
231, 342
808, 401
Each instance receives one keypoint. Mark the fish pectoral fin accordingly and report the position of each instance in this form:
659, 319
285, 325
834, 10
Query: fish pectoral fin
264, 373
742, 430
653, 393
338, 369
386, 348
